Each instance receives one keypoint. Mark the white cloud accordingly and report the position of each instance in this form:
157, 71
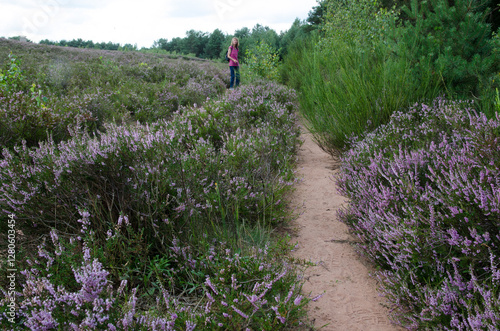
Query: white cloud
142, 22
89, 4
185, 9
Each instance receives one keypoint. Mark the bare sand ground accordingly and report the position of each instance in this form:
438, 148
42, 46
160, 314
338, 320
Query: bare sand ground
351, 301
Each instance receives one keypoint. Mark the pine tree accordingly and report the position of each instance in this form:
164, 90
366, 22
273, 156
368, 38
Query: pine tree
452, 39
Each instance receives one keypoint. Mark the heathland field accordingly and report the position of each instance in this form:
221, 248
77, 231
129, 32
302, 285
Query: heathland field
143, 195
138, 193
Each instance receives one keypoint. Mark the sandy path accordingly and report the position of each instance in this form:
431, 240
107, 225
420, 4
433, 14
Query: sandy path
350, 301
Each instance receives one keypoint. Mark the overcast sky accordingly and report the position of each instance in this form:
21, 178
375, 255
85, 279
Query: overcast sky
142, 22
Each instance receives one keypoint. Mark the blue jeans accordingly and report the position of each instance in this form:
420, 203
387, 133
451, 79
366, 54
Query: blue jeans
235, 73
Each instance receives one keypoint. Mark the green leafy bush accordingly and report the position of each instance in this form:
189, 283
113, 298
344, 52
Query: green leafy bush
262, 61
11, 78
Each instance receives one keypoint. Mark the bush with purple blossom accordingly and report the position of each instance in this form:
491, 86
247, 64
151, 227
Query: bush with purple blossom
244, 143
175, 207
82, 90
424, 196
67, 287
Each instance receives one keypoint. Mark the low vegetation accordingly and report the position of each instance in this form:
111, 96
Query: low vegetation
425, 201
408, 98
149, 199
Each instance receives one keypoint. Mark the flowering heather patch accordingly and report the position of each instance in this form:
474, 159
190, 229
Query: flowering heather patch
53, 94
163, 170
254, 291
424, 196
22, 117
144, 196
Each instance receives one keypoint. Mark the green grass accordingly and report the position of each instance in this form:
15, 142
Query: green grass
346, 91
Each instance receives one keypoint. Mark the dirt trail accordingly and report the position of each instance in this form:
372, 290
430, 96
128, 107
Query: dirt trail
350, 301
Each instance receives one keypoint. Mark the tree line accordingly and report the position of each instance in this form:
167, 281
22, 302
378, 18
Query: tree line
204, 44
80, 43
214, 45
211, 45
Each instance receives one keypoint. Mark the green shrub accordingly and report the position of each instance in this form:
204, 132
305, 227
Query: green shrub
11, 78
350, 80
262, 61
451, 40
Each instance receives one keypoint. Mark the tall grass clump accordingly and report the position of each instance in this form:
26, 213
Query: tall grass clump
370, 61
424, 196
343, 97
350, 79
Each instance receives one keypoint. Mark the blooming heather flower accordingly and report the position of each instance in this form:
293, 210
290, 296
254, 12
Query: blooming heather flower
209, 284
166, 167
316, 298
422, 193
297, 300
239, 312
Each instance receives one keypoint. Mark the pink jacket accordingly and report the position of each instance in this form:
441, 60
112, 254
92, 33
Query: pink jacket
234, 55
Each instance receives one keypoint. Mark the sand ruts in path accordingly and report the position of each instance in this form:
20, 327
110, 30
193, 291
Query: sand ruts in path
351, 301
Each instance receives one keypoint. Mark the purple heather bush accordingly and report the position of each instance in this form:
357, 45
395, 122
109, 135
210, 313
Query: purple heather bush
67, 287
424, 196
162, 170
137, 202
50, 96
34, 117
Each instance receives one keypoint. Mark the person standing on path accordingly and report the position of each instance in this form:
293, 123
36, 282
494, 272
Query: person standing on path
234, 65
